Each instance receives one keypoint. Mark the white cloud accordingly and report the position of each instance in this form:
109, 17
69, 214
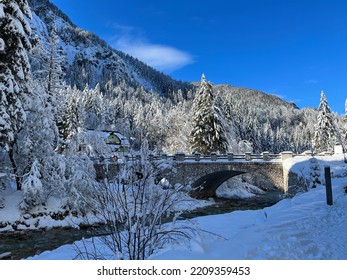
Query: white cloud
161, 57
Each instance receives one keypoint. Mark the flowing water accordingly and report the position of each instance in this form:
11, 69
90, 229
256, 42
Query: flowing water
29, 243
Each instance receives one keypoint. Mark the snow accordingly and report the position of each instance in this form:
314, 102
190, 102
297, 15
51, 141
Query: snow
302, 227
2, 45
2, 14
244, 190
10, 214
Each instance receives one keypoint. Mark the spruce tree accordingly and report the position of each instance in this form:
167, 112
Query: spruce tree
14, 72
208, 127
325, 129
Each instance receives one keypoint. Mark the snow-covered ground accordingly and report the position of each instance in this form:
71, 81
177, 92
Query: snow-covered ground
302, 227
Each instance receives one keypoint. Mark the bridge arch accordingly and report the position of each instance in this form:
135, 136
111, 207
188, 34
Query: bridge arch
206, 177
207, 185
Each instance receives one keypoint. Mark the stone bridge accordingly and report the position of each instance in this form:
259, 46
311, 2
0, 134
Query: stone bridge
205, 173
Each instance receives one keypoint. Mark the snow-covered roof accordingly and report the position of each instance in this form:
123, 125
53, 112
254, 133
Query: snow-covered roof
106, 133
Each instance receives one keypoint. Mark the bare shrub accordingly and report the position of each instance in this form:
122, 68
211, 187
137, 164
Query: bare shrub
140, 212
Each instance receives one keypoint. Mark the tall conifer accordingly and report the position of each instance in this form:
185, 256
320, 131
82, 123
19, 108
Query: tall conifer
325, 130
208, 133
14, 72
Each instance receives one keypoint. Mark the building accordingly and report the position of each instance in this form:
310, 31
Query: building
116, 140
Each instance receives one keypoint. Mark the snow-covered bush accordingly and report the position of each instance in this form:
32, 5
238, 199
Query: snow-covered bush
32, 188
135, 207
2, 202
53, 176
314, 173
243, 186
80, 179
94, 145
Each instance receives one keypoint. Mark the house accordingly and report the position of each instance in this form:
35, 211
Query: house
116, 140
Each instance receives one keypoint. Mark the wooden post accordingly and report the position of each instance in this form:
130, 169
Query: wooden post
329, 191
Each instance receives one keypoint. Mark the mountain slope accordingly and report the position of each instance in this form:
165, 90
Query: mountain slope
253, 96
89, 60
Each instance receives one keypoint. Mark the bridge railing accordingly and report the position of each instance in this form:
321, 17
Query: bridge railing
265, 156
224, 157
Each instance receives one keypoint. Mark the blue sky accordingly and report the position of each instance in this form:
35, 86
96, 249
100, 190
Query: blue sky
293, 49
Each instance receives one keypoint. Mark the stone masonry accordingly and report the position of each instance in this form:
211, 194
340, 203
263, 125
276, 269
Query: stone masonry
206, 173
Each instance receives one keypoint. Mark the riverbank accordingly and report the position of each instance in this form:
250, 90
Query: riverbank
21, 244
300, 228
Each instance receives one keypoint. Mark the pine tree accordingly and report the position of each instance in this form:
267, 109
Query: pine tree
32, 188
325, 129
208, 133
14, 72
72, 121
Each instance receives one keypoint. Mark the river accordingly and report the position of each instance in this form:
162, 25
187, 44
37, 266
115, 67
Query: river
29, 243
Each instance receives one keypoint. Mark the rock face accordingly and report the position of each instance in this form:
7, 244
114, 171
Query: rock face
88, 59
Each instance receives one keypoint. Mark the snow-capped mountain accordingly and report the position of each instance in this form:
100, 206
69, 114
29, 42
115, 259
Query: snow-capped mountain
88, 59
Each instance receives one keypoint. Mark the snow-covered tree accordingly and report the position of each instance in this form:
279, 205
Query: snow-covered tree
325, 129
73, 120
47, 61
53, 174
14, 72
32, 188
93, 103
208, 126
80, 180
39, 137
179, 128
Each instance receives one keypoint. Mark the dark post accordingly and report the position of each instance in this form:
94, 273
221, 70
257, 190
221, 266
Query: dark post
329, 190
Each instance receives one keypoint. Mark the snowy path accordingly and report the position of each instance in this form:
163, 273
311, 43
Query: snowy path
300, 228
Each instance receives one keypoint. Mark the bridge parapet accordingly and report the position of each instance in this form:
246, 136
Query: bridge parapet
266, 156
182, 157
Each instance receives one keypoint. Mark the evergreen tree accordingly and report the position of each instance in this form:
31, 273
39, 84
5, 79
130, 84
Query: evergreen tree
32, 188
325, 129
39, 137
14, 72
74, 114
208, 133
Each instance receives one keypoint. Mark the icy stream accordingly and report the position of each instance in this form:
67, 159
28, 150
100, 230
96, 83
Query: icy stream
29, 243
